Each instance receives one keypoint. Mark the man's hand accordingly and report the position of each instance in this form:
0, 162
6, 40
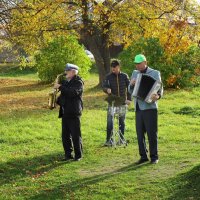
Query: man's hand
155, 97
109, 91
56, 86
128, 102
132, 82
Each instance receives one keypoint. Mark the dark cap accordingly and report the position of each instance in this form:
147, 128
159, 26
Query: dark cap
70, 66
114, 63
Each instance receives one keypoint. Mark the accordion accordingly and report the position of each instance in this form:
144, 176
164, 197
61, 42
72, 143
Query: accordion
145, 87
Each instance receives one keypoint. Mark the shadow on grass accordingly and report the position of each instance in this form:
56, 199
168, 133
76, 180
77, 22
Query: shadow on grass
33, 86
33, 167
186, 185
187, 110
73, 186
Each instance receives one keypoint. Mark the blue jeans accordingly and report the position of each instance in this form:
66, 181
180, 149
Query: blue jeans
110, 124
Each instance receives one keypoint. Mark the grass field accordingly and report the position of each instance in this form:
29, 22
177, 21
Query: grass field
30, 147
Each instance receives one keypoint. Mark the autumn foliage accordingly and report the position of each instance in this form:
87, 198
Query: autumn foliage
178, 70
31, 24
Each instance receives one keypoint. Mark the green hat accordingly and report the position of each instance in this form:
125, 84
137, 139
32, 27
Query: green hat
140, 58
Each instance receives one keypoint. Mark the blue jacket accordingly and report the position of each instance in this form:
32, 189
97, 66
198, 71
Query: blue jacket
142, 104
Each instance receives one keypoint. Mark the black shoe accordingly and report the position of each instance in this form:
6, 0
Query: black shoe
68, 158
142, 160
154, 161
77, 159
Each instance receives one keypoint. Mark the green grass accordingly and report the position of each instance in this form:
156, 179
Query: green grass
13, 71
30, 148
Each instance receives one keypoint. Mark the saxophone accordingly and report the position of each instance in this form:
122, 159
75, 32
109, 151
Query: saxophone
53, 94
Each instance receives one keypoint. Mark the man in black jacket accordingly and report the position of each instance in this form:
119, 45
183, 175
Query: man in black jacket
71, 106
116, 85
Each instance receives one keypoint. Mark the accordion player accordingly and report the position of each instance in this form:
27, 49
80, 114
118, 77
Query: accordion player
145, 87
146, 92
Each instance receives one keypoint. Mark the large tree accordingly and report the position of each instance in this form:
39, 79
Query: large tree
98, 24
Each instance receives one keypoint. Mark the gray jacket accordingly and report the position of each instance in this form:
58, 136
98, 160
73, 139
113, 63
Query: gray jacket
142, 104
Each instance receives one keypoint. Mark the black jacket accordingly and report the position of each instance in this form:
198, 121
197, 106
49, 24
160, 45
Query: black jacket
118, 85
70, 100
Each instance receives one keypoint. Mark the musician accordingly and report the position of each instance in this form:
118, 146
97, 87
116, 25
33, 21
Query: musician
146, 114
116, 83
71, 106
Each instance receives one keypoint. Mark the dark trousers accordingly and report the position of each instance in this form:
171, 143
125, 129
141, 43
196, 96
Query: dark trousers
110, 125
147, 122
71, 134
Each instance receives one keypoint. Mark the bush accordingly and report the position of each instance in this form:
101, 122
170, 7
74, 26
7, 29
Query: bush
51, 60
181, 70
150, 47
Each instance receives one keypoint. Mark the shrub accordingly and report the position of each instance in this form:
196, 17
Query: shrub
150, 47
183, 68
51, 60
178, 71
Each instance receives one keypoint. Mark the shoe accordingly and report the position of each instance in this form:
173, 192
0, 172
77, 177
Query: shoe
154, 161
142, 160
67, 158
77, 159
107, 144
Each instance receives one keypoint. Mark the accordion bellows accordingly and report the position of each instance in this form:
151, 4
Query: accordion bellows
145, 87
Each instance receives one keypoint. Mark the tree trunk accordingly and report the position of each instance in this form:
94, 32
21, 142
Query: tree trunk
96, 38
98, 45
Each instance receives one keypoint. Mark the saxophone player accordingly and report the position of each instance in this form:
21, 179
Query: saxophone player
71, 106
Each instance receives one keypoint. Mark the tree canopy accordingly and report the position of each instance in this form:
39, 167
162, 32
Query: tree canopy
99, 24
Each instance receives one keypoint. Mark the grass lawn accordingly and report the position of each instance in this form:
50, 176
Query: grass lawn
30, 147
